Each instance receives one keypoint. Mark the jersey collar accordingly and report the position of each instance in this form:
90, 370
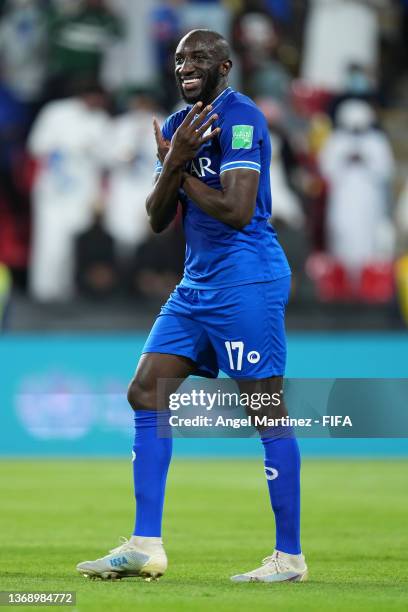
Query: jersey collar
219, 99
221, 96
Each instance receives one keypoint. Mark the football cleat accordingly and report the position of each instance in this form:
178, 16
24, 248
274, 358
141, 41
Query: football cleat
131, 558
279, 567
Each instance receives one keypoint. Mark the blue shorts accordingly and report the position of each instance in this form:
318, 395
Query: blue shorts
239, 330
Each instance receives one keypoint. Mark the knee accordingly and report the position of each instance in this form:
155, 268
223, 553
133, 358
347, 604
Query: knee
141, 395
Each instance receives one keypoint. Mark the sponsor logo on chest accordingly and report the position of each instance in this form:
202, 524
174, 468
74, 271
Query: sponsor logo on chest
201, 167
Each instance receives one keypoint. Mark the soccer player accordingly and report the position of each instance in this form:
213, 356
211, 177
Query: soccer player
228, 311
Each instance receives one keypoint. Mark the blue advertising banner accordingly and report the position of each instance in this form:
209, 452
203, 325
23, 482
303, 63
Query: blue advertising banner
65, 395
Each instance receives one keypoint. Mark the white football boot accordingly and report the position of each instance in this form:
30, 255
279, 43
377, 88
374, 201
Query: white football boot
279, 567
144, 557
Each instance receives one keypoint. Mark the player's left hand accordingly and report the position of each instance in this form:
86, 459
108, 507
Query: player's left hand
163, 145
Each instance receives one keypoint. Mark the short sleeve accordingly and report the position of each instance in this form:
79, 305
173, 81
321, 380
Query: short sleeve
240, 139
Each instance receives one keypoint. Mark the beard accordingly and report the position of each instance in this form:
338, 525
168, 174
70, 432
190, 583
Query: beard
206, 94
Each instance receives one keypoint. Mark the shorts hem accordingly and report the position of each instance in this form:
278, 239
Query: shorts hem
205, 287
200, 371
268, 374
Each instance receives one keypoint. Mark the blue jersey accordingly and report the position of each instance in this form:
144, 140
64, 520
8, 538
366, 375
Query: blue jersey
217, 255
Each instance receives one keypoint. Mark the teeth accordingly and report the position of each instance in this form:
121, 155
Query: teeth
188, 81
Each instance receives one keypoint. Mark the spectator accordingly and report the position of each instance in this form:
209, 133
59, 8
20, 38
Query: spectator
131, 59
338, 34
133, 155
14, 120
158, 263
358, 164
95, 262
23, 44
256, 42
359, 85
80, 35
166, 31
69, 141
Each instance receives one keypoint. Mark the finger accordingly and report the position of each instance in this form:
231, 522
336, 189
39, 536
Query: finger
206, 125
157, 132
211, 135
192, 113
200, 117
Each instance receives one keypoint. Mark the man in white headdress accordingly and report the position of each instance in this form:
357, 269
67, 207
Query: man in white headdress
358, 164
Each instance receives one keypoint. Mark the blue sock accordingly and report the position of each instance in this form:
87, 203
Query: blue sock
151, 462
282, 470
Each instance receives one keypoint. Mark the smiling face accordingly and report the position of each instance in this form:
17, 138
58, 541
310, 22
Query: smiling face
201, 66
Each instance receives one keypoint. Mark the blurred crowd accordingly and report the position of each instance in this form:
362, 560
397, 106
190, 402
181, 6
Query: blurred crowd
77, 147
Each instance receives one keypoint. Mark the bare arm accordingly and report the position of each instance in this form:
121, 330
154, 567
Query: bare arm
161, 203
234, 204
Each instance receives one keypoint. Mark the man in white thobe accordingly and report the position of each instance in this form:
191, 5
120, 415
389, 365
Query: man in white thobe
68, 139
358, 164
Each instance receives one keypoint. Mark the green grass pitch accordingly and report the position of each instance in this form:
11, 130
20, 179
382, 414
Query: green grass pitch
217, 522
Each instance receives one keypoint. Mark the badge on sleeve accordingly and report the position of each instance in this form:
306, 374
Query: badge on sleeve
242, 136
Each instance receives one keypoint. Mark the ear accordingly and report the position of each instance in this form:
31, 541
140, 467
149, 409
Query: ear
225, 67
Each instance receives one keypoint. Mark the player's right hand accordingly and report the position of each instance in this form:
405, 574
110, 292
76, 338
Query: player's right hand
189, 136
163, 145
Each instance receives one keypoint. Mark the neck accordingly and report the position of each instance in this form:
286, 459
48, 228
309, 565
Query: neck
217, 92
